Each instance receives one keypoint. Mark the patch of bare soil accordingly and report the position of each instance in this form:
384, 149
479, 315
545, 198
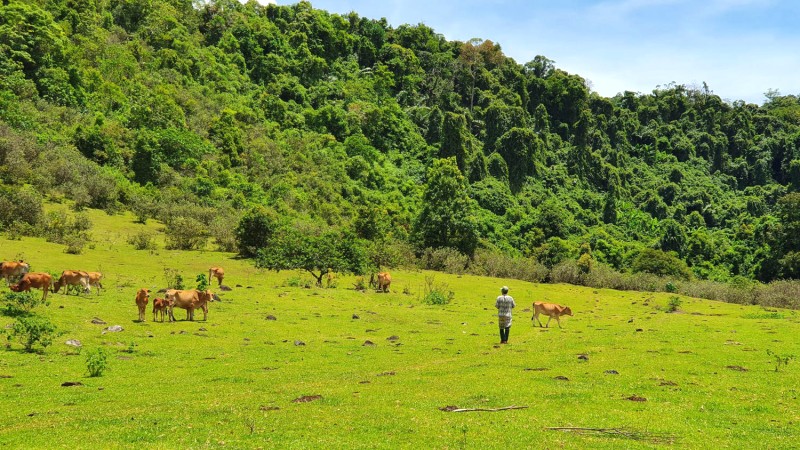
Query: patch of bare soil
306, 398
561, 377
737, 368
268, 408
537, 369
636, 398
448, 408
71, 383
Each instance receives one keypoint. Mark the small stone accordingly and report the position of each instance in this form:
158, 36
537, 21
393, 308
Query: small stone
113, 329
612, 372
583, 357
393, 338
74, 343
271, 317
299, 343
368, 344
355, 316
98, 321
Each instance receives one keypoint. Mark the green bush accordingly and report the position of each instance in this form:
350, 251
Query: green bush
436, 294
31, 330
96, 362
186, 233
21, 303
174, 279
674, 303
143, 240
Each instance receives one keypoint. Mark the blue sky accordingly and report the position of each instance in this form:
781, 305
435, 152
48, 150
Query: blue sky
740, 48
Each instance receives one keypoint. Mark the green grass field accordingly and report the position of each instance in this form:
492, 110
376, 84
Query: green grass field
623, 372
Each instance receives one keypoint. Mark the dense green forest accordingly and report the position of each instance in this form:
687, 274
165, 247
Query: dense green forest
256, 124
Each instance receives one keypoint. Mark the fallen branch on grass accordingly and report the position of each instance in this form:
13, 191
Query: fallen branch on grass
451, 409
620, 432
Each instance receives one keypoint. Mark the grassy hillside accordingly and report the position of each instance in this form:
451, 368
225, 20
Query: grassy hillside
232, 381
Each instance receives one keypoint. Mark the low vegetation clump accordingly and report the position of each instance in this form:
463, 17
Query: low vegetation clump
33, 330
97, 362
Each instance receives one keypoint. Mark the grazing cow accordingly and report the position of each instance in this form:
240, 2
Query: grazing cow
72, 278
551, 310
384, 280
159, 306
189, 300
94, 280
36, 280
13, 270
216, 272
142, 296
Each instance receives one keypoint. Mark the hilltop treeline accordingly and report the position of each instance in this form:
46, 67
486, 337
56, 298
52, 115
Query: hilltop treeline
229, 120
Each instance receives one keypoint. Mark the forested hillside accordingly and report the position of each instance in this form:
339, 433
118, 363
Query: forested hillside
241, 122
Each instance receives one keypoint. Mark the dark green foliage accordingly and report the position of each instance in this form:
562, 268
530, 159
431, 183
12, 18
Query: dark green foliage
21, 303
255, 229
314, 251
661, 263
226, 120
447, 218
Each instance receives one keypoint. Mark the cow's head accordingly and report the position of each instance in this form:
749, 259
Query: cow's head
15, 287
567, 311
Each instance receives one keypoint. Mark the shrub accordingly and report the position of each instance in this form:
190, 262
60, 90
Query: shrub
496, 264
202, 282
186, 233
96, 362
662, 263
74, 244
143, 240
174, 279
445, 259
20, 303
31, 330
567, 271
674, 304
61, 228
436, 294
20, 204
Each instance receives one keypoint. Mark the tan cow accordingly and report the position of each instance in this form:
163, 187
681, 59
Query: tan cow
551, 310
216, 272
94, 280
189, 300
160, 306
36, 280
384, 280
13, 270
142, 297
72, 278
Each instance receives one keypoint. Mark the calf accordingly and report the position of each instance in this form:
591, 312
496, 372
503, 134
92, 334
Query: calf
72, 278
142, 297
36, 280
159, 306
551, 310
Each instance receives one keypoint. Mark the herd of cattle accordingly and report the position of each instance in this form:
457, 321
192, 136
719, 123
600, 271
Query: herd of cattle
19, 273
19, 278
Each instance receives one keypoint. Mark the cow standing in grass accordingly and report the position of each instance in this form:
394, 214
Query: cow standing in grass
216, 272
551, 310
36, 280
72, 278
189, 300
142, 297
13, 270
384, 280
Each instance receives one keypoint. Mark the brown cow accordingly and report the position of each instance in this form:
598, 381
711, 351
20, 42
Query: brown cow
13, 270
384, 280
189, 300
159, 306
551, 310
142, 297
94, 280
72, 278
216, 272
36, 280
